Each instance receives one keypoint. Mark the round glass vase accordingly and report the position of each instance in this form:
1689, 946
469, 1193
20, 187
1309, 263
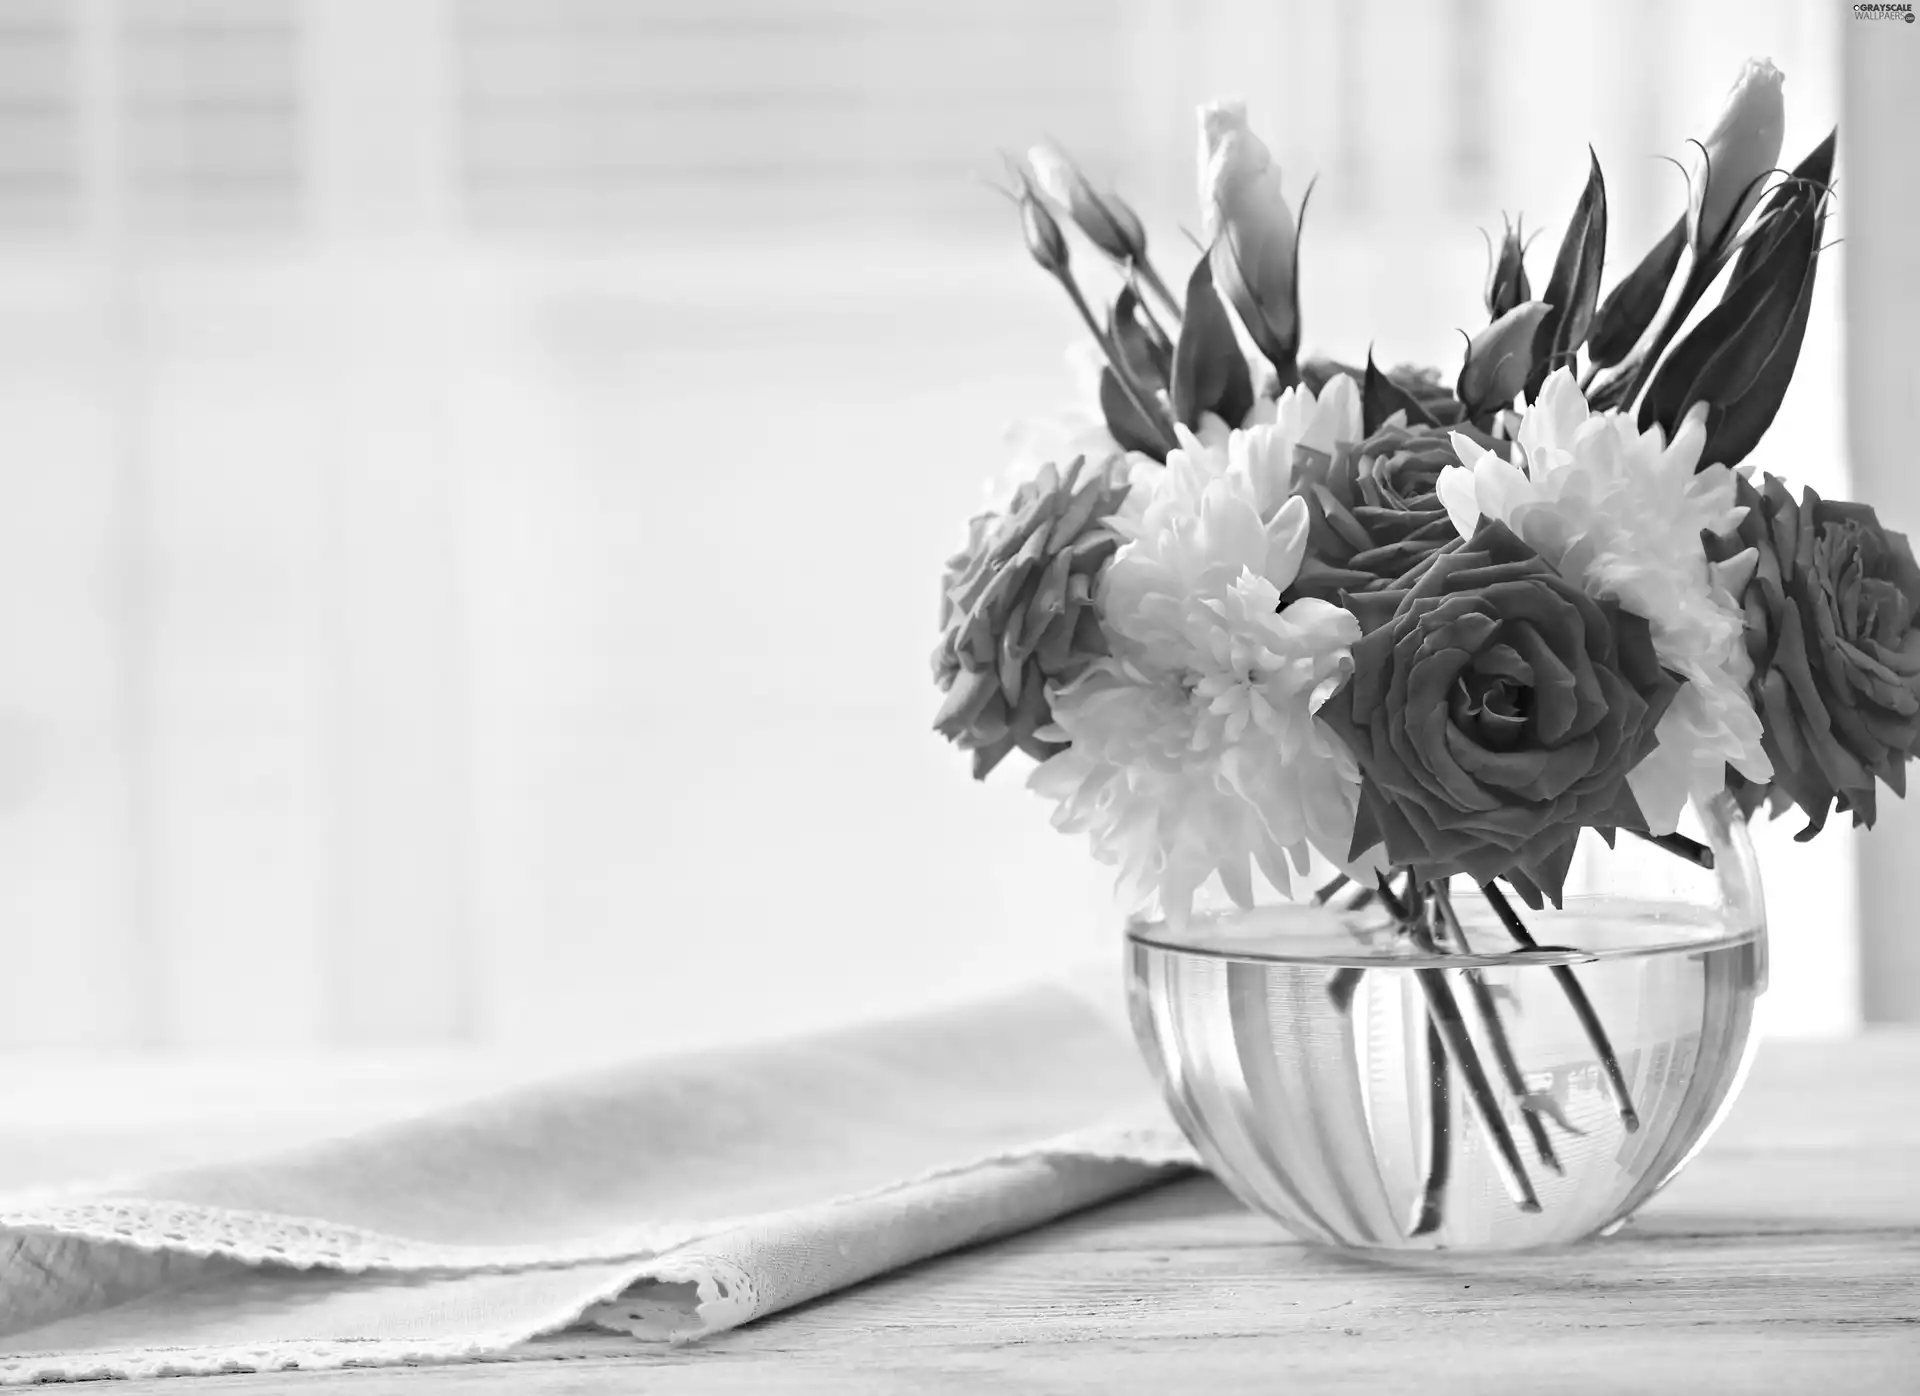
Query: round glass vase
1456, 1071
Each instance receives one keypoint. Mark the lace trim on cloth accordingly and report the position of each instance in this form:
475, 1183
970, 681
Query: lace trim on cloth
318, 1355
302, 1243
108, 1250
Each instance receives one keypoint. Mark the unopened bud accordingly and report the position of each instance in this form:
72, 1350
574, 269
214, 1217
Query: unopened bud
1743, 147
1251, 229
1499, 359
1507, 284
1045, 242
1108, 223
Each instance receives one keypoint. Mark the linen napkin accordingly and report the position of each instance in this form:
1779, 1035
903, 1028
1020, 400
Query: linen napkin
666, 1200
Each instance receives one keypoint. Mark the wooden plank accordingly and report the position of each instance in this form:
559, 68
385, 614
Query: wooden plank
1787, 1259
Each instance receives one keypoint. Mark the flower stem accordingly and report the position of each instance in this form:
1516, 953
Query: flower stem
1150, 412
1343, 985
1443, 1013
1496, 1030
1159, 288
1431, 1211
1681, 846
1582, 1007
1395, 907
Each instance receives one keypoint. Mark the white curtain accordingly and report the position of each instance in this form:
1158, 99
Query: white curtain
473, 476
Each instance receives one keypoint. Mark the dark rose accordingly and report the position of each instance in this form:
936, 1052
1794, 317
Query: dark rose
1495, 710
1831, 626
1017, 611
1374, 512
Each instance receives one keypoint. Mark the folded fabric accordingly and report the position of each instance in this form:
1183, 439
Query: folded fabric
667, 1200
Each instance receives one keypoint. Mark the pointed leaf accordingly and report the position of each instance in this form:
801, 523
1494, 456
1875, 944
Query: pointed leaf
1575, 284
1381, 397
1630, 307
1147, 360
1209, 372
1232, 284
1737, 423
1133, 431
1746, 419
1732, 349
1273, 324
1810, 180
1606, 394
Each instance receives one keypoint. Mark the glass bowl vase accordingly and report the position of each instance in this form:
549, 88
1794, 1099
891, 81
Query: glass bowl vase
1517, 1079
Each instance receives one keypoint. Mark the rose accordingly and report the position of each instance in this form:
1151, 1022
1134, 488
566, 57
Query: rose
1833, 627
1373, 508
1017, 611
1495, 710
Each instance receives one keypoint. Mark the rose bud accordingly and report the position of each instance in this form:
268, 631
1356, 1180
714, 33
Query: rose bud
1107, 222
1499, 359
1739, 153
1045, 242
1507, 284
1251, 230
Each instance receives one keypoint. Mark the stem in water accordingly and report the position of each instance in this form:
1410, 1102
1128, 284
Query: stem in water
1431, 1210
1582, 1007
1496, 1031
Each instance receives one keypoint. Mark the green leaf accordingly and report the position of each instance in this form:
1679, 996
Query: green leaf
1273, 328
1630, 307
1209, 372
1232, 284
1132, 430
1575, 285
1381, 397
1737, 430
1741, 356
1148, 356
1810, 181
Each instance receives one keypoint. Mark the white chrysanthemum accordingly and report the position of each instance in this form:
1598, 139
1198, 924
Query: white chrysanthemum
1195, 747
1261, 452
1619, 512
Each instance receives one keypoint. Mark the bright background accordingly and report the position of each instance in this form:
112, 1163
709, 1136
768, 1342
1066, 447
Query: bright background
474, 473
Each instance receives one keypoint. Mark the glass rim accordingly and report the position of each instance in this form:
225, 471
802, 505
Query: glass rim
1294, 933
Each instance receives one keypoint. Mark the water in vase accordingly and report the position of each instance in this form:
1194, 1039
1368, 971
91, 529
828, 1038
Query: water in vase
1308, 1080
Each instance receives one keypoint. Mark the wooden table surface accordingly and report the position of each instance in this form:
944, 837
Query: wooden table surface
1786, 1259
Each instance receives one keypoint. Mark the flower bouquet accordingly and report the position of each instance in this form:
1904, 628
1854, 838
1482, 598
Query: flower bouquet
1346, 670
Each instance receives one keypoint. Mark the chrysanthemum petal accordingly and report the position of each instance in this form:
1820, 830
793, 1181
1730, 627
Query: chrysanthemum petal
1557, 414
1622, 511
1195, 750
1455, 487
